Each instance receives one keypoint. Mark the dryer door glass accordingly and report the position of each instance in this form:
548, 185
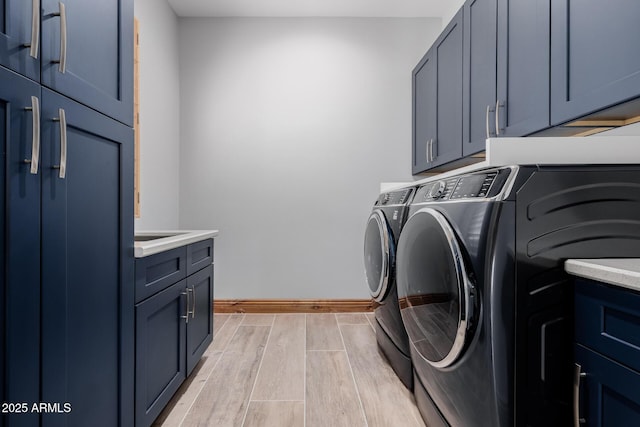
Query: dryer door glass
436, 296
377, 255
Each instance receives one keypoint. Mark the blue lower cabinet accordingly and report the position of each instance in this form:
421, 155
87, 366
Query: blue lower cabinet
87, 265
160, 350
174, 326
607, 350
608, 394
200, 326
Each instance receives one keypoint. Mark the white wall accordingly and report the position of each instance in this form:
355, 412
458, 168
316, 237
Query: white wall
159, 115
454, 7
288, 126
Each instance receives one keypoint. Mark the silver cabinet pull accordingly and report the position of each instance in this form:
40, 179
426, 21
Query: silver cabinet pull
426, 150
186, 317
577, 376
489, 110
35, 29
62, 118
431, 156
499, 104
429, 150
193, 312
62, 67
35, 139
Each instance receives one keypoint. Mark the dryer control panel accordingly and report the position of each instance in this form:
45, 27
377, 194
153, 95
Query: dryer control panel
475, 185
400, 197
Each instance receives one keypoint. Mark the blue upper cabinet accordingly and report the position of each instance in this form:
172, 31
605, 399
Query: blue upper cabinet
437, 101
20, 37
594, 56
523, 67
87, 53
479, 84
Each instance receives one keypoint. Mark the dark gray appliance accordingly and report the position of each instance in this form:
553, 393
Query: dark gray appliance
483, 293
380, 239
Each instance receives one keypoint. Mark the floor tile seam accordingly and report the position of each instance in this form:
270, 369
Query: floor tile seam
255, 380
212, 371
223, 323
353, 378
276, 400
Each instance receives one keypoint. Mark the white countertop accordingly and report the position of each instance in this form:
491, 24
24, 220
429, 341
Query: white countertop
594, 150
173, 239
624, 272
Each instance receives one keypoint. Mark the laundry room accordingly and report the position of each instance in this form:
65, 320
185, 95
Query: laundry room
284, 213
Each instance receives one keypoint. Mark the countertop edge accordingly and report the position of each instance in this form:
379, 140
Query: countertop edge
614, 271
151, 247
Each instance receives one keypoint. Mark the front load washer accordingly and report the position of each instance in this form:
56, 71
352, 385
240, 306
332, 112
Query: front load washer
483, 293
381, 236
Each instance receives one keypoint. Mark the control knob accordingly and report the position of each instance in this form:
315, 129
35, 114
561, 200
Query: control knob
437, 190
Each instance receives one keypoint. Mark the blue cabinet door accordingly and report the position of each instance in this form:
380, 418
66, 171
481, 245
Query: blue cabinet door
19, 28
19, 247
608, 394
98, 57
437, 101
594, 56
160, 350
200, 327
87, 265
523, 66
425, 113
479, 77
448, 142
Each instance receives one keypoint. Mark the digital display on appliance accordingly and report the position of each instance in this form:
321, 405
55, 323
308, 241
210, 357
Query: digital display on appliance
469, 186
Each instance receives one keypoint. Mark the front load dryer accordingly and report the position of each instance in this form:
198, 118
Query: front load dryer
380, 239
483, 293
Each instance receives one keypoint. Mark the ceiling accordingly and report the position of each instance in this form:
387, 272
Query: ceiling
315, 8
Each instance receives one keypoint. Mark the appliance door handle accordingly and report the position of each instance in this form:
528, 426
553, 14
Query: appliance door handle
62, 118
34, 44
35, 139
62, 62
577, 376
499, 105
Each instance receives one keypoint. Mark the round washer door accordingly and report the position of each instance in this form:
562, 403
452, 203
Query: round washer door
435, 293
378, 255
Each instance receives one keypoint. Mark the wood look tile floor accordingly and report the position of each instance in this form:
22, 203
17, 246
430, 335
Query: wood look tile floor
289, 370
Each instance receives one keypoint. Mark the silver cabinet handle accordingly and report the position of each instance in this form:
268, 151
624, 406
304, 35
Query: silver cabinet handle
186, 317
35, 139
499, 104
431, 150
426, 150
193, 312
577, 376
35, 29
489, 110
62, 118
62, 67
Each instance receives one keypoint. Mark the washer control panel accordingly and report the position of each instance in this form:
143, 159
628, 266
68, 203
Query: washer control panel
476, 185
